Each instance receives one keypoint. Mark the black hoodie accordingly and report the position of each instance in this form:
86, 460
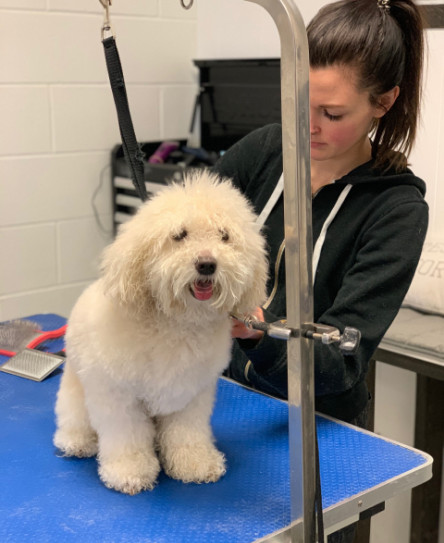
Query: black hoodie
367, 262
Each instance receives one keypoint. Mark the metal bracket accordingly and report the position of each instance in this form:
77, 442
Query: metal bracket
348, 342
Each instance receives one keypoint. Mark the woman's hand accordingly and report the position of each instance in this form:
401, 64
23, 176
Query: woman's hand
240, 331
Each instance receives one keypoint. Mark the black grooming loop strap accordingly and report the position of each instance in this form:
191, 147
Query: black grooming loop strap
133, 154
131, 149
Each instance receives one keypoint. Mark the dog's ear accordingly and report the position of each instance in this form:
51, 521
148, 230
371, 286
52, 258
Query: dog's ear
123, 267
255, 292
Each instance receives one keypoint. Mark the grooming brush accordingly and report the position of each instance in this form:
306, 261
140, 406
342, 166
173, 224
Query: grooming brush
19, 339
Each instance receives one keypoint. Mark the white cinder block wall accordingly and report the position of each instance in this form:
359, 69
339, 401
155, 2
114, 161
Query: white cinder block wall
58, 126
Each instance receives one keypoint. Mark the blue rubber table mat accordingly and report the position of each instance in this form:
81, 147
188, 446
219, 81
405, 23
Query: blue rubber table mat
46, 498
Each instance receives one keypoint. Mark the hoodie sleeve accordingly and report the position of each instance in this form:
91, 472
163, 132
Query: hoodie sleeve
372, 290
268, 357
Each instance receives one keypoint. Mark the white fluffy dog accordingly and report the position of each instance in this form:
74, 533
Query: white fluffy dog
147, 342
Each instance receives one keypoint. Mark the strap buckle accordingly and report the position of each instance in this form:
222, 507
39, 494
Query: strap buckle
107, 28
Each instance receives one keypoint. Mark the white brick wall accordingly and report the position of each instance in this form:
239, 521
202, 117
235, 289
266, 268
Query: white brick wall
58, 126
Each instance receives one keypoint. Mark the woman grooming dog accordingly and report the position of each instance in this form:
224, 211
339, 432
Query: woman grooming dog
365, 75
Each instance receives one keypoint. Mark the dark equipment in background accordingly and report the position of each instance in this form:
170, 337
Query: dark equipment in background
235, 97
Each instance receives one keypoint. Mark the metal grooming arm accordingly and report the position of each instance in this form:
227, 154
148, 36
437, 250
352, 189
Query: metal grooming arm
298, 262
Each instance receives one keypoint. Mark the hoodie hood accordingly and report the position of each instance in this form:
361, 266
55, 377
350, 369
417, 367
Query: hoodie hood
366, 173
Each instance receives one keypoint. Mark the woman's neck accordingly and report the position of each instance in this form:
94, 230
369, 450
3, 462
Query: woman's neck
324, 172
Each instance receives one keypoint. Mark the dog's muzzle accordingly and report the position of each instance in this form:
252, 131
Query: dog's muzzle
202, 289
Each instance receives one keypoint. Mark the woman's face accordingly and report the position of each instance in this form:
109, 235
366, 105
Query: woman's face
341, 115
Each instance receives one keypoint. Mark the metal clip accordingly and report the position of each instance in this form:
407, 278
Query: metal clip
186, 6
277, 330
348, 342
107, 29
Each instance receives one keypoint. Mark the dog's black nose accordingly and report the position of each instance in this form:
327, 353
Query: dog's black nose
206, 266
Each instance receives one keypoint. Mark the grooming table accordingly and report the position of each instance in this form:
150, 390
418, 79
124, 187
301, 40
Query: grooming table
46, 498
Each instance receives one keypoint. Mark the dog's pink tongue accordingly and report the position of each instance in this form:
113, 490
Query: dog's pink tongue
203, 290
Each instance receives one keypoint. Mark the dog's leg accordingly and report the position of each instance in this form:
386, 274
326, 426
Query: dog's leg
74, 435
186, 443
127, 458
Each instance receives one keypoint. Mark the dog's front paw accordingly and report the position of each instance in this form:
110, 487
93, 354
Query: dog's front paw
130, 473
194, 463
76, 442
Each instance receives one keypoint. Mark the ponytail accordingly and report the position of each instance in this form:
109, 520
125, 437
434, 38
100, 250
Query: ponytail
384, 40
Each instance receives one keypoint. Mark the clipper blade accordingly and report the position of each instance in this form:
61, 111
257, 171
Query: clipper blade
32, 364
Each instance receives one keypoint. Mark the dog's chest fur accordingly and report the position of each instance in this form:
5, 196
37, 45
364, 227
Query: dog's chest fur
178, 369
156, 360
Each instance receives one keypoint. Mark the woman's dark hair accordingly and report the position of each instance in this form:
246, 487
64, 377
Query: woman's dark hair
384, 40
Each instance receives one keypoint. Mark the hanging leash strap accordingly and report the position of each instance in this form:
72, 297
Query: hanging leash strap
133, 154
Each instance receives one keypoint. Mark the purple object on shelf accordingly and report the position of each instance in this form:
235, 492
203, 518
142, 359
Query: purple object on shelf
163, 151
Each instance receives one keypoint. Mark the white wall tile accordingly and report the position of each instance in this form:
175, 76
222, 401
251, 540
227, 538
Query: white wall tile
147, 8
28, 258
59, 300
427, 157
53, 188
436, 40
23, 4
85, 117
157, 51
80, 243
66, 48
174, 9
438, 207
177, 103
47, 47
233, 29
25, 120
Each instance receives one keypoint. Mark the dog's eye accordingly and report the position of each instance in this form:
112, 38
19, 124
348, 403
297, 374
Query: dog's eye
224, 235
181, 235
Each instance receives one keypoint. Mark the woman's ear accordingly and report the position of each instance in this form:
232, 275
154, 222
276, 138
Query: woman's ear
385, 101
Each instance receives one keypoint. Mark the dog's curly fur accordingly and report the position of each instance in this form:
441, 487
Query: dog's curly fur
148, 340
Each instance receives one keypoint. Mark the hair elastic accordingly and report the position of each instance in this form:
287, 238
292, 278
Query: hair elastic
384, 5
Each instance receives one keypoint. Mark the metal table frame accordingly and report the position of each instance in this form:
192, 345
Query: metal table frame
298, 258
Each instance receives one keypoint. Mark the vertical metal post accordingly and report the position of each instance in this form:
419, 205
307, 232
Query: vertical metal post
298, 247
